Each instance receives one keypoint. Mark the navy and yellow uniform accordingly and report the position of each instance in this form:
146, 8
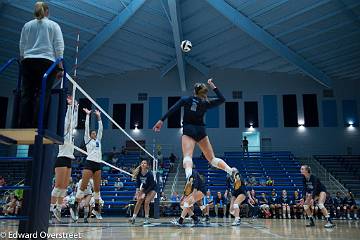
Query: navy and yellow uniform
147, 181
237, 186
197, 182
313, 186
194, 111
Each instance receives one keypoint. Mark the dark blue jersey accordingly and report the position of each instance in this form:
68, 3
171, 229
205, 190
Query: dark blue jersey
349, 201
285, 199
338, 201
147, 181
273, 199
263, 200
198, 182
195, 108
296, 200
312, 185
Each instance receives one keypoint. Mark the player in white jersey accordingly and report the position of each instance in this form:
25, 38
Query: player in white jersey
63, 161
92, 166
85, 203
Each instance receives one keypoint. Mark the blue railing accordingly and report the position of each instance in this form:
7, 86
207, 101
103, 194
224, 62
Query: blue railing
61, 115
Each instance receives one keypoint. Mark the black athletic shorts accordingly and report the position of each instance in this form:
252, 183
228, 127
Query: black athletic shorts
93, 166
63, 162
196, 132
236, 193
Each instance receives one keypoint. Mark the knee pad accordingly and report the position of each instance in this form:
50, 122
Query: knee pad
79, 194
215, 162
306, 207
96, 195
236, 206
56, 192
187, 164
187, 161
63, 192
321, 206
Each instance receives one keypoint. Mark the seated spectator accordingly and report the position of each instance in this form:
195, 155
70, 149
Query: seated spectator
262, 181
264, 206
285, 204
338, 202
175, 202
296, 206
254, 204
118, 185
330, 206
208, 202
220, 202
10, 205
274, 204
2, 181
350, 206
269, 182
252, 181
163, 197
175, 197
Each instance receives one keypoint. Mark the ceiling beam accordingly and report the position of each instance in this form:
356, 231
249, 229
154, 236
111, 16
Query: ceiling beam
170, 65
177, 34
78, 11
109, 30
260, 35
198, 65
190, 60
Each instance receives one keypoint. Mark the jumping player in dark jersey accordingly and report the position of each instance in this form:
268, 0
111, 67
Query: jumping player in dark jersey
193, 193
314, 190
194, 130
145, 190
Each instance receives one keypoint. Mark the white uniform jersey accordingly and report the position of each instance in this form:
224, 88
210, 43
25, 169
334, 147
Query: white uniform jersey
93, 147
67, 149
89, 188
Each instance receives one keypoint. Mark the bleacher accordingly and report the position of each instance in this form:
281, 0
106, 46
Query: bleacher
282, 167
345, 168
13, 172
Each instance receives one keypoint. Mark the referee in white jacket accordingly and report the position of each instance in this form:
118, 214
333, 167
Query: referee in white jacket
41, 43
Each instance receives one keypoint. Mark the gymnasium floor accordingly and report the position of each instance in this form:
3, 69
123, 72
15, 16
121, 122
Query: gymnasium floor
118, 228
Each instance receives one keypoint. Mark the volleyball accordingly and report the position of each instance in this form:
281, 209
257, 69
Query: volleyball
186, 46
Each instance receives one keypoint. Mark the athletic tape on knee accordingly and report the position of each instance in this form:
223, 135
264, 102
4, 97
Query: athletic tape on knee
215, 162
306, 207
321, 206
56, 192
63, 192
79, 194
236, 206
96, 195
